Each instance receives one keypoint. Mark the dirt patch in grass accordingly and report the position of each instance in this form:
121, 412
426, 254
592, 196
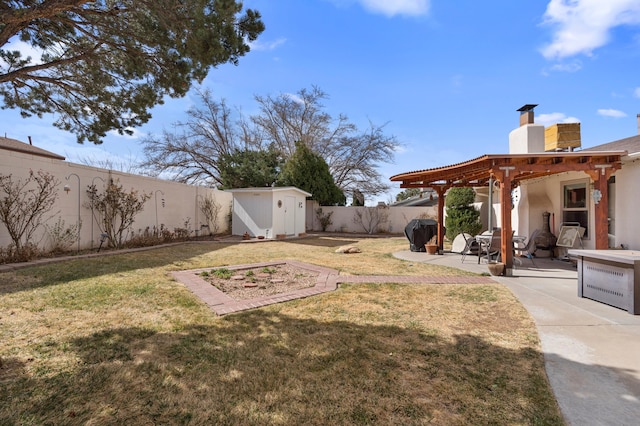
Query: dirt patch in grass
250, 283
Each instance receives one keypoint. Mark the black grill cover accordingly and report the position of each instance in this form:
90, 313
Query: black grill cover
419, 232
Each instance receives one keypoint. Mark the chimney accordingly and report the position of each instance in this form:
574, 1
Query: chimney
638, 117
526, 114
529, 137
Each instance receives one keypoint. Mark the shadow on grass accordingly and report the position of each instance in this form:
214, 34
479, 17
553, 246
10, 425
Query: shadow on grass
69, 269
173, 257
264, 367
322, 241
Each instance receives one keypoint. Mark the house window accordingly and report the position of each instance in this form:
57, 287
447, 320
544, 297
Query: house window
575, 206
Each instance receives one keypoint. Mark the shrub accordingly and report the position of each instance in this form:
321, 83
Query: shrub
462, 216
211, 210
370, 218
325, 219
223, 273
24, 206
62, 237
27, 252
115, 210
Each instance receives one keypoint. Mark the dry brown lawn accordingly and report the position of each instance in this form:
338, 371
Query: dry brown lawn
113, 340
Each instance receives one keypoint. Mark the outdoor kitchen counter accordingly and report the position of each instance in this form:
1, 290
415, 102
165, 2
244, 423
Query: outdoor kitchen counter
610, 276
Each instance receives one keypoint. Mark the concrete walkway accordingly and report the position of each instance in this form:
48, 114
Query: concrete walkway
591, 350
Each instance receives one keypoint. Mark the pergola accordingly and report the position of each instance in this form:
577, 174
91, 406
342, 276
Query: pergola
510, 170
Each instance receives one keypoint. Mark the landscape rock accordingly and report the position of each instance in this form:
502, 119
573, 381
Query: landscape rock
348, 249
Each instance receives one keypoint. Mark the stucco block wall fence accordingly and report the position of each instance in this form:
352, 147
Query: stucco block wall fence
344, 219
171, 203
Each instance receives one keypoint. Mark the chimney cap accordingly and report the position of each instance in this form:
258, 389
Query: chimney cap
527, 108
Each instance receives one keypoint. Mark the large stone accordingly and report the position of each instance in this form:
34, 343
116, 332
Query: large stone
348, 249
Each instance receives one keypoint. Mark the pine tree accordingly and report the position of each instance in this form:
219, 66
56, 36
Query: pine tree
462, 216
309, 172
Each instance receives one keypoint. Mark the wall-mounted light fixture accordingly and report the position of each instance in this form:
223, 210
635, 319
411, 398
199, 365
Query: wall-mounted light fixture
596, 195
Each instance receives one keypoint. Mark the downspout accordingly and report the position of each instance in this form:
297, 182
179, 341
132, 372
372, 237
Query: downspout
490, 221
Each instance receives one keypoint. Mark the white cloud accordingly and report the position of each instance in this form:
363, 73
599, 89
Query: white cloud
611, 113
137, 134
555, 117
574, 66
580, 26
25, 50
636, 92
259, 45
294, 97
391, 7
397, 7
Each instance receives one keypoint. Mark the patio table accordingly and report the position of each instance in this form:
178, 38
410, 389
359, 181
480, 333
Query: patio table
484, 240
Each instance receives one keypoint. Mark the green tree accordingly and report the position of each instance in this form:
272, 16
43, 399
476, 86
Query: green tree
247, 168
309, 172
407, 193
462, 216
104, 64
193, 151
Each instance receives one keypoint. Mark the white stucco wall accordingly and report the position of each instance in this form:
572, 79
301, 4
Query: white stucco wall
526, 139
627, 205
180, 201
545, 195
343, 218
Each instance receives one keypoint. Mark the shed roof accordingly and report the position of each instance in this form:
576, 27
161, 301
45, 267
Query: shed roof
269, 189
17, 146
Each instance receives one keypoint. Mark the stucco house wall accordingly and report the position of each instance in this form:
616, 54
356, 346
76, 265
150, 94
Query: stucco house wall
624, 202
545, 195
171, 204
627, 204
268, 212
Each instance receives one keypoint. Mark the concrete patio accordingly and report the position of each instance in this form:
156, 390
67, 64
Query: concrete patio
591, 350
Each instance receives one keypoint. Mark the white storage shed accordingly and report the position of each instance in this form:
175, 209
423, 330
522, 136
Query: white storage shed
272, 212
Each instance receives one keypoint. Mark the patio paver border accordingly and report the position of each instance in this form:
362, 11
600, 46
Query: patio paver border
328, 280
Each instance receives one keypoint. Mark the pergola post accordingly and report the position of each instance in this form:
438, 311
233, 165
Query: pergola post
441, 191
600, 179
506, 243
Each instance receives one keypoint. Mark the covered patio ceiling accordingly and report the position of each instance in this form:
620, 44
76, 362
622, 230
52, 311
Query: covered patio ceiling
510, 170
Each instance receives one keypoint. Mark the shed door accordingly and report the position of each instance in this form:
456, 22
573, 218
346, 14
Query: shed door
289, 215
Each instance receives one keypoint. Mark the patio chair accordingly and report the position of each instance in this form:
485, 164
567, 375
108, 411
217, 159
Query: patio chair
471, 246
492, 246
527, 248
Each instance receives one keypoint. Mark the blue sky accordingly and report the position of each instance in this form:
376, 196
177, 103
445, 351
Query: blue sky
445, 76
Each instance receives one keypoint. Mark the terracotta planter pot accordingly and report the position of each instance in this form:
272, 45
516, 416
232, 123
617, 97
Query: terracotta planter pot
431, 248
